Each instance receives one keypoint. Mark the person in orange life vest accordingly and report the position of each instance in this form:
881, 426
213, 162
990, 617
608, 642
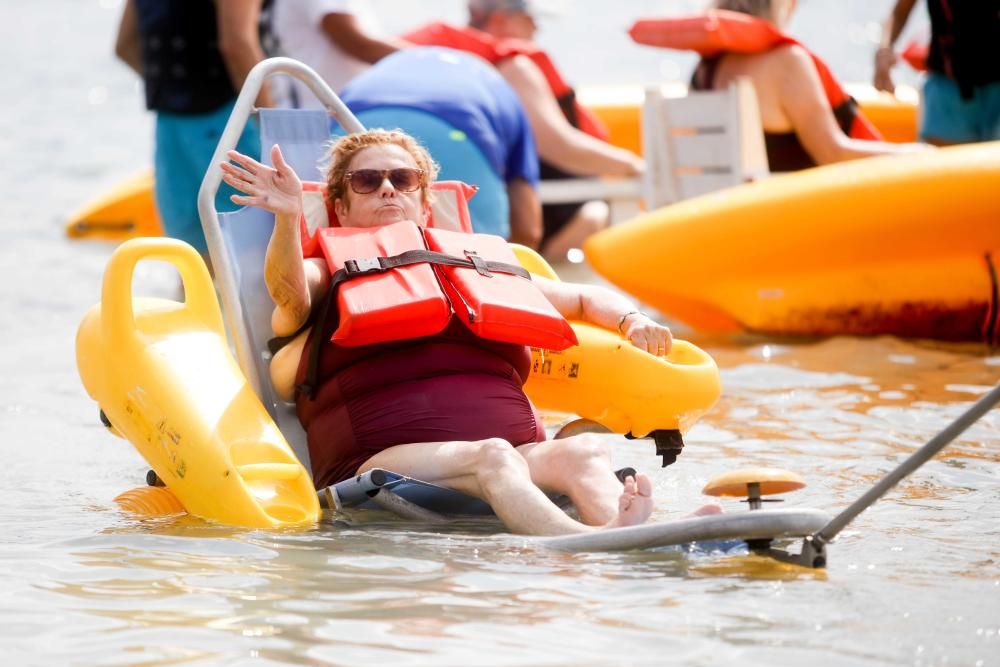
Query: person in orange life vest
800, 128
378, 178
564, 149
961, 95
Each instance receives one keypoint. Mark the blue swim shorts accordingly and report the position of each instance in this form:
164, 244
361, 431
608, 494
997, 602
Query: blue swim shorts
460, 160
185, 144
947, 117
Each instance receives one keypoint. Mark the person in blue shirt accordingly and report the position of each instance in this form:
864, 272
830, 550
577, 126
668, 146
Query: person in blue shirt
471, 121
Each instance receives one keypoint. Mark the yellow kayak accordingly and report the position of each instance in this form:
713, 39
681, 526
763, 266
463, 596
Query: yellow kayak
620, 107
901, 245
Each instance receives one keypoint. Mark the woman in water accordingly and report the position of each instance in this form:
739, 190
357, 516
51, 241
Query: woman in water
447, 408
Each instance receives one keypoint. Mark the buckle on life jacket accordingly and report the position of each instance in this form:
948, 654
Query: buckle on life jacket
478, 263
360, 267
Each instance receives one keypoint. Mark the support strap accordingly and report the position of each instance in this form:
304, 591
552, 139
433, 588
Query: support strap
355, 268
366, 266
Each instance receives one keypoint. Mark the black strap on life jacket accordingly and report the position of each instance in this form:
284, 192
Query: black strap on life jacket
355, 268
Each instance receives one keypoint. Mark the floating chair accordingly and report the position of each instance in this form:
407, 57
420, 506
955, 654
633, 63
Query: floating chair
230, 450
237, 244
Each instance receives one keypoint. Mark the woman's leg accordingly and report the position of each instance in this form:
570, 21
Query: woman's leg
494, 471
579, 467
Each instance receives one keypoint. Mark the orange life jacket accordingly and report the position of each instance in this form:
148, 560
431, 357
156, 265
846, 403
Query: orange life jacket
496, 50
719, 31
403, 281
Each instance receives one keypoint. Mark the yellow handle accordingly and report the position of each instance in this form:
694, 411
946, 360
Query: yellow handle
683, 353
118, 316
533, 262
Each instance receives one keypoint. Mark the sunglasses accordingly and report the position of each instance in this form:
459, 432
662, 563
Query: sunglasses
366, 181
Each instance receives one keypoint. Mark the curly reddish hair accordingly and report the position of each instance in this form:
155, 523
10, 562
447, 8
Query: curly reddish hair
343, 150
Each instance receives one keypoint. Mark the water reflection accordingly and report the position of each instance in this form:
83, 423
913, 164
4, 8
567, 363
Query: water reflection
96, 587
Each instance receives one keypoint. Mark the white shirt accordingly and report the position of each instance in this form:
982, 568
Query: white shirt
297, 24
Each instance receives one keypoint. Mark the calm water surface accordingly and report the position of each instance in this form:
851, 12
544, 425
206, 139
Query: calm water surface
915, 581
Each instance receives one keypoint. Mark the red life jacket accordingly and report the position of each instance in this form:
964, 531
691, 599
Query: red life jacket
719, 31
915, 54
389, 287
496, 50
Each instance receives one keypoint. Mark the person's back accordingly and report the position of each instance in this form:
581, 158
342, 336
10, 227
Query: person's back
785, 151
802, 127
458, 106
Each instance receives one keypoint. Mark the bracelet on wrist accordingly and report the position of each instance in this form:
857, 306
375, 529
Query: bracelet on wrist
621, 320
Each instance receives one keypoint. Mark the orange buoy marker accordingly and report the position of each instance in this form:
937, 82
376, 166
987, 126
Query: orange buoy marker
754, 483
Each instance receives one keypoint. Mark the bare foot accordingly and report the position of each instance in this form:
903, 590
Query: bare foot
705, 510
636, 502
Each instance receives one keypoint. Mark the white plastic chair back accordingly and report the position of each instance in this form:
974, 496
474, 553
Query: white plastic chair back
237, 241
701, 142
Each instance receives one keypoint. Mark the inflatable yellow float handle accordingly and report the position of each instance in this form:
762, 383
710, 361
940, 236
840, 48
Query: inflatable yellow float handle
533, 262
119, 321
608, 380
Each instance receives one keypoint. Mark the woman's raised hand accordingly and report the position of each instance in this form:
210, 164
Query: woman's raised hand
276, 189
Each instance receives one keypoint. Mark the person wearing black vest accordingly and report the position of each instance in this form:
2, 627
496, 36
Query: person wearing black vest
193, 57
961, 97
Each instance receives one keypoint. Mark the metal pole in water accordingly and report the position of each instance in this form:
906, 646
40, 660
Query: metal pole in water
917, 459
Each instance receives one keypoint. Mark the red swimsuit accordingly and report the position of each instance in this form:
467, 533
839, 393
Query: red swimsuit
450, 386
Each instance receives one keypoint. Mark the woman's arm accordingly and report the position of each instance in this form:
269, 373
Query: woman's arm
801, 96
559, 143
293, 283
610, 310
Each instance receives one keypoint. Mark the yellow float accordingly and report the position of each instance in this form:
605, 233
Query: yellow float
164, 378
901, 245
609, 381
